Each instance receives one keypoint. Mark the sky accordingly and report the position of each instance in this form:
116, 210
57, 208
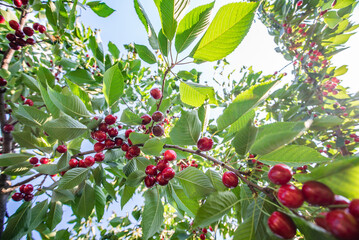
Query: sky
257, 50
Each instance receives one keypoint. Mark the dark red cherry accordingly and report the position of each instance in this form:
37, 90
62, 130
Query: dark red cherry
73, 163
89, 161
158, 116
125, 147
342, 225
146, 119
44, 160
321, 221
14, 25
151, 170
112, 132
317, 193
35, 26
82, 163
162, 164
28, 31
282, 225
17, 197
103, 127
161, 180
11, 37
230, 179
168, 173
150, 181
156, 93
135, 151
8, 128
110, 119
354, 208
290, 196
42, 29
99, 136
30, 41
99, 147
205, 144
61, 149
28, 197
34, 160
109, 143
118, 141
28, 189
158, 131
99, 157
280, 174
128, 132
18, 3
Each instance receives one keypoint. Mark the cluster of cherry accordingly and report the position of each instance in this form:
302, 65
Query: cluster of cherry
25, 193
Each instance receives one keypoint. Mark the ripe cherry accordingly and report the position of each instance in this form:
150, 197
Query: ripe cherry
103, 127
129, 142
162, 164
128, 156
14, 25
42, 29
204, 230
28, 197
44, 160
28, 31
158, 116
282, 225
340, 200
11, 37
161, 180
317, 193
342, 225
168, 173
354, 208
128, 132
73, 163
230, 179
280, 174
99, 147
158, 131
3, 82
17, 197
99, 136
29, 102
99, 157
35, 26
110, 119
202, 236
109, 143
14, 46
8, 128
82, 163
22, 188
151, 170
112, 132
61, 149
134, 151
118, 141
18, 3
34, 160
89, 161
321, 221
28, 189
2, 19
125, 147
290, 196
205, 144
169, 155
156, 93
150, 181
146, 119
30, 41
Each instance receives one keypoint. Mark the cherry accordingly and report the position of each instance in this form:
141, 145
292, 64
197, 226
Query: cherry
30, 41
19, 33
109, 143
162, 164
11, 37
29, 102
28, 189
36, 26
99, 157
103, 127
17, 197
22, 188
99, 136
168, 173
44, 160
317, 193
151, 170
20, 42
230, 179
61, 149
124, 147
99, 147
129, 142
354, 208
299, 3
156, 93
118, 141
158, 116
112, 132
356, 139
110, 119
82, 163
161, 180
340, 200
290, 196
320, 221
18, 3
134, 151
205, 144
8, 128
128, 156
73, 163
2, 19
204, 230
89, 161
158, 130
63, 173
169, 155
42, 29
150, 181
34, 160
14, 46
353, 135
342, 225
28, 197
128, 132
282, 225
280, 174
3, 82
210, 228
146, 119
202, 236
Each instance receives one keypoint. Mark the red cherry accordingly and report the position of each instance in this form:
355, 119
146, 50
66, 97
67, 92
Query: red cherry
109, 143
22, 188
28, 189
161, 180
11, 37
168, 173
29, 102
89, 161
120, 126
82, 163
156, 93
61, 149
342, 225
146, 119
14, 46
317, 193
290, 196
99, 157
18, 3
128, 156
230, 179
28, 31
202, 236
103, 127
42, 29
340, 200
28, 197
14, 25
112, 132
282, 225
354, 208
35, 26
162, 164
169, 155
150, 181
34, 160
205, 144
110, 119
8, 128
356, 139
158, 130
129, 142
210, 228
353, 135
73, 163
118, 141
99, 147
44, 160
280, 174
158, 116
128, 132
25, 2
30, 41
321, 221
204, 230
17, 197
63, 173
134, 151
99, 136
2, 19
151, 170
124, 147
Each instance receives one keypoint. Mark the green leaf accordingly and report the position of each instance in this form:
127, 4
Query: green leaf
55, 112
195, 183
243, 103
127, 194
341, 70
340, 176
97, 49
49, 169
73, 178
325, 122
54, 216
138, 138
113, 49
152, 38
68, 103
216, 180
80, 76
87, 201
113, 85
19, 223
18, 169
343, 3
245, 230
9, 159
195, 94
294, 156
145, 54
332, 19
152, 217
244, 139
29, 81
31, 116
62, 195
227, 30
135, 178
153, 147
64, 128
100, 8
82, 94
130, 118
163, 43
192, 25
109, 188
67, 63
45, 77
38, 215
27, 140
188, 205
311, 231
166, 9
187, 129
242, 122
215, 207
